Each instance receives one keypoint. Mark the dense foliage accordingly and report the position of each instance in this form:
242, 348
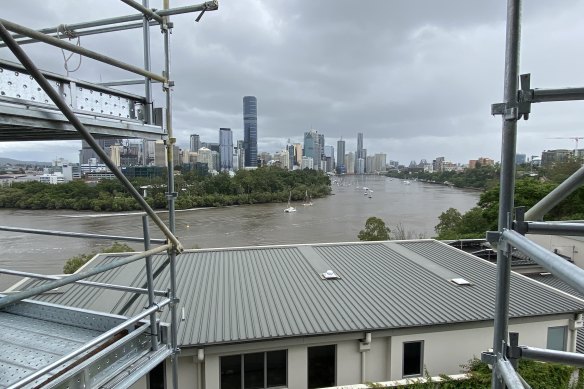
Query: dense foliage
264, 185
73, 264
483, 217
482, 177
538, 375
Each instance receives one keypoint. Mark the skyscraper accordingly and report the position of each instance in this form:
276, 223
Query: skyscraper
359, 152
226, 148
341, 168
250, 130
311, 147
195, 143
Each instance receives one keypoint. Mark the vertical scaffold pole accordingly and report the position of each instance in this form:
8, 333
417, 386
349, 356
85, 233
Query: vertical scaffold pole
147, 66
507, 178
171, 196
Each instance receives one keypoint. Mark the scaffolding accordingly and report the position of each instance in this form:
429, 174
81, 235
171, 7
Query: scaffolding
513, 224
89, 349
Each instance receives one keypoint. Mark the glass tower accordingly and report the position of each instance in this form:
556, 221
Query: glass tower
226, 149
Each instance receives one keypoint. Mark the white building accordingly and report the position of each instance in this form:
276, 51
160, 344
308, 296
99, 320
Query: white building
336, 314
53, 179
307, 163
205, 155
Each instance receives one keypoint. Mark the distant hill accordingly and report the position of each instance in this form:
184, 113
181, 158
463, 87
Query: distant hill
5, 161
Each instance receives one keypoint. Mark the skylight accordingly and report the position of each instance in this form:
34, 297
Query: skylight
460, 281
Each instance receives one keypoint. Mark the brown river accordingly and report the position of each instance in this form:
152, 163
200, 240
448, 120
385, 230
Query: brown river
336, 218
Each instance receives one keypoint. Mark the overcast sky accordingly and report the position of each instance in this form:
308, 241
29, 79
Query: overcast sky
417, 77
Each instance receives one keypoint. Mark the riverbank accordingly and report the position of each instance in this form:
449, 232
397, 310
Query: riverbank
261, 186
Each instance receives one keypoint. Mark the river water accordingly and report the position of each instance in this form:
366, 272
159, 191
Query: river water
336, 218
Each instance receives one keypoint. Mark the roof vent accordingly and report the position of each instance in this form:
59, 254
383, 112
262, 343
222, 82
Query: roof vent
329, 275
460, 281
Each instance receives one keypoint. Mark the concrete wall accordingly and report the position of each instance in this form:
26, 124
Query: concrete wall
445, 349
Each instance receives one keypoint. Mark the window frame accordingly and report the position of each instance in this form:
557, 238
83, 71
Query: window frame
265, 367
565, 343
334, 363
421, 373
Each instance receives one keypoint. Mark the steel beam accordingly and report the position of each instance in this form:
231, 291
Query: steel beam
507, 178
18, 296
558, 266
102, 285
553, 356
76, 49
556, 196
78, 234
56, 98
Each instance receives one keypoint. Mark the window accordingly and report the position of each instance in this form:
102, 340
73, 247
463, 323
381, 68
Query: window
413, 358
557, 338
254, 371
321, 366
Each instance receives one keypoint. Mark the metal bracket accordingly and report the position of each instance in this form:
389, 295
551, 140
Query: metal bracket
519, 224
508, 112
493, 237
525, 96
489, 358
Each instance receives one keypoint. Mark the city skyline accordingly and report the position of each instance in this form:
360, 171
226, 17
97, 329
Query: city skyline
421, 86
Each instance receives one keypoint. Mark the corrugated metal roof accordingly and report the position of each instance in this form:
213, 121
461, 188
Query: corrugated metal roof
245, 294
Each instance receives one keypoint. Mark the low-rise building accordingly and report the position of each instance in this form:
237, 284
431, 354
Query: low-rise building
320, 315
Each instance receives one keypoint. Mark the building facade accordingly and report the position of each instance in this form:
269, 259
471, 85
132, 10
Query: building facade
312, 148
195, 142
250, 130
341, 168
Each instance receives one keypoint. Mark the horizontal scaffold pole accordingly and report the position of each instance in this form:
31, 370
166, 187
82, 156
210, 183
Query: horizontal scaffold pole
542, 228
102, 285
19, 296
207, 6
561, 94
558, 266
78, 234
74, 120
553, 356
94, 31
76, 49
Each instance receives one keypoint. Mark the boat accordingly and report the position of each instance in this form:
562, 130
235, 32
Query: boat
307, 200
406, 182
290, 208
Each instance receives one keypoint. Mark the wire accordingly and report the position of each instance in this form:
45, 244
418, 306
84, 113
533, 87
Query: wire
62, 30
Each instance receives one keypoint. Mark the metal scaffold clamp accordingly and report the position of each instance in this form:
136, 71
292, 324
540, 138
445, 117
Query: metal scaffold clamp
522, 107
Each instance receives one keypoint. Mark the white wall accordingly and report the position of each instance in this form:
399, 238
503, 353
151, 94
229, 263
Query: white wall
572, 247
445, 349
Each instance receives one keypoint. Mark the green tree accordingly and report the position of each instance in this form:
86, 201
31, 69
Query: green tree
375, 229
74, 263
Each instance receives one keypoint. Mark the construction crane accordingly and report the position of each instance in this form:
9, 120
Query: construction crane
574, 138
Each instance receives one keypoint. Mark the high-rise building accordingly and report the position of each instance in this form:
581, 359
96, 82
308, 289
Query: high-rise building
379, 165
250, 130
359, 152
350, 163
206, 157
312, 147
341, 156
226, 149
195, 143
298, 153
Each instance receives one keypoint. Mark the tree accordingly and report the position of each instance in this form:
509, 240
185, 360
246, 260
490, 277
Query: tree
375, 229
73, 264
